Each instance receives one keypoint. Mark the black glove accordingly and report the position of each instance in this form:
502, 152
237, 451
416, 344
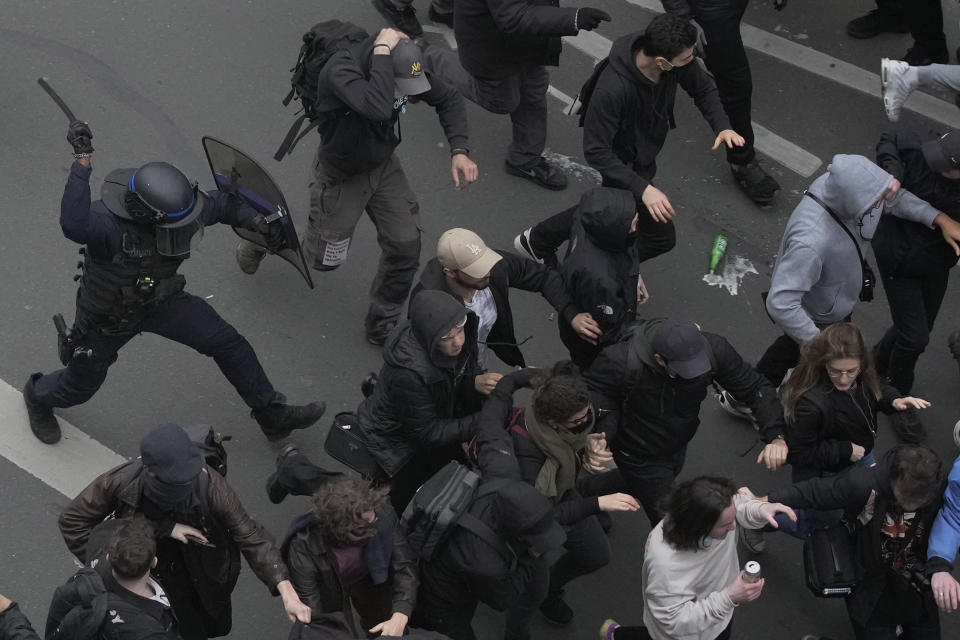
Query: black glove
272, 232
589, 19
79, 135
779, 4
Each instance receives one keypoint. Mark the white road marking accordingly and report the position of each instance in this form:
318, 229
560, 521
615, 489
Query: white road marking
834, 69
68, 466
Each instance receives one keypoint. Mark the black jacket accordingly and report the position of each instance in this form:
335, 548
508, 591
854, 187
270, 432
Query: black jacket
421, 400
14, 625
600, 268
904, 248
133, 617
650, 414
628, 116
362, 128
217, 512
499, 38
827, 422
118, 251
314, 574
512, 271
706, 10
851, 491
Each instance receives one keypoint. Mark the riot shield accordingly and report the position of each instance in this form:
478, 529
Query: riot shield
237, 172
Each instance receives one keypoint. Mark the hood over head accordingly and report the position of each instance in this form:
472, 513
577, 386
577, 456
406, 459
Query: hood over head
606, 215
432, 315
851, 186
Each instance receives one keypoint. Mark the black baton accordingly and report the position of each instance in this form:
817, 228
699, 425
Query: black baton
45, 85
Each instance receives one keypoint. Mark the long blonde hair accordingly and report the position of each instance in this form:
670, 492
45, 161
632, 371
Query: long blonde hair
840, 340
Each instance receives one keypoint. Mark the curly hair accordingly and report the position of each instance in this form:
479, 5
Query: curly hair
339, 506
916, 475
838, 341
668, 36
692, 508
559, 394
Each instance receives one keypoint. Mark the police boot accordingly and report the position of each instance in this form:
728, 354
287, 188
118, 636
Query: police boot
278, 420
42, 421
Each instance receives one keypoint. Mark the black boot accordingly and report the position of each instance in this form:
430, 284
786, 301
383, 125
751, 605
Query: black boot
278, 420
275, 491
555, 610
42, 421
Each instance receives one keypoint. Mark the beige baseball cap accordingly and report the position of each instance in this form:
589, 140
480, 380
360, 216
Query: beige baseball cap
463, 250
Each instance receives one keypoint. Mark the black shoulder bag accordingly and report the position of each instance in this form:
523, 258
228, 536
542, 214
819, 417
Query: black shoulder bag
867, 278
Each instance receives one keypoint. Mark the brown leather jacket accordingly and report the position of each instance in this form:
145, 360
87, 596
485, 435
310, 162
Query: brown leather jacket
221, 517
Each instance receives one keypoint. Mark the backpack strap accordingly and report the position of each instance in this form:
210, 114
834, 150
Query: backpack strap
291, 139
856, 245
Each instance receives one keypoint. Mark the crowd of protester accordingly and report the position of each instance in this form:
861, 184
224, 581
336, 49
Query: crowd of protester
561, 449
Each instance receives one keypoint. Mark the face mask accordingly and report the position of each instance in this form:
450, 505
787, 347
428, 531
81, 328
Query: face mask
166, 495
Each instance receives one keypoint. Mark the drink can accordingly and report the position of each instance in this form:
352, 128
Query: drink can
751, 571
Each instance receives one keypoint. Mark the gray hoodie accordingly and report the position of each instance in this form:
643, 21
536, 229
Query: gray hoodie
816, 278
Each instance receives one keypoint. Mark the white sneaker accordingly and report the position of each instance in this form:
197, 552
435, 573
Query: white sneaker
895, 86
522, 244
736, 409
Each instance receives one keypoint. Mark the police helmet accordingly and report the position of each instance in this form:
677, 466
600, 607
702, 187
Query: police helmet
156, 193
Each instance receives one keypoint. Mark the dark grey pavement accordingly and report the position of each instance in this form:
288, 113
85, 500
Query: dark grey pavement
152, 78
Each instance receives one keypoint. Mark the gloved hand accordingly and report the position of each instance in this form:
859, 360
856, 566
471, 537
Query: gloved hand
271, 231
700, 47
589, 18
79, 135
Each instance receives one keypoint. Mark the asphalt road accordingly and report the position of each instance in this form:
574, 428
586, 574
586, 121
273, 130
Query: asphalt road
152, 78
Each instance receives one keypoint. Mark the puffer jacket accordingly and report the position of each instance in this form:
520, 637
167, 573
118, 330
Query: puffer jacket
422, 399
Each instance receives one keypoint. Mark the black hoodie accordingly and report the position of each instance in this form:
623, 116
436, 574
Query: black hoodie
628, 116
423, 398
600, 268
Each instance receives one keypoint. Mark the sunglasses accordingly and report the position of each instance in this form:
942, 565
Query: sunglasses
584, 422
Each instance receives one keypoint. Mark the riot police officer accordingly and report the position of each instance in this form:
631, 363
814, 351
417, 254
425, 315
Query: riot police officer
135, 238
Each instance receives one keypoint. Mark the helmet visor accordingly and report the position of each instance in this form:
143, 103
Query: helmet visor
176, 241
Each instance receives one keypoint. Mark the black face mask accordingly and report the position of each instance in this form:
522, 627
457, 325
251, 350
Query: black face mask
166, 495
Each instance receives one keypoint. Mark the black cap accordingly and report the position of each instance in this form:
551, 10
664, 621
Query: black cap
683, 347
408, 72
943, 153
169, 453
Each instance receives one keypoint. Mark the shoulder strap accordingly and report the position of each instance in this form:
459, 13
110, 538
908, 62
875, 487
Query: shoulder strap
856, 245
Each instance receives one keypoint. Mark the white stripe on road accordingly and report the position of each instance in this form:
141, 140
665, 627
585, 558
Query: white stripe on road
834, 69
68, 466
767, 142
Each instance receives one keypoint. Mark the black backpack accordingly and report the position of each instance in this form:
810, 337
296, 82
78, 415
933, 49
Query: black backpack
78, 608
440, 506
319, 44
210, 443
586, 91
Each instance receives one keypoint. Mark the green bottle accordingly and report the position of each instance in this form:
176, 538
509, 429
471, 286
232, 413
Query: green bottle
716, 254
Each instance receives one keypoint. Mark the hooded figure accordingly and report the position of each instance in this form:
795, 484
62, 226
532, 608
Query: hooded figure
816, 280
601, 267
425, 402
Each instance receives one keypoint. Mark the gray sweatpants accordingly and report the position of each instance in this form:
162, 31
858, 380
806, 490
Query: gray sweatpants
939, 75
